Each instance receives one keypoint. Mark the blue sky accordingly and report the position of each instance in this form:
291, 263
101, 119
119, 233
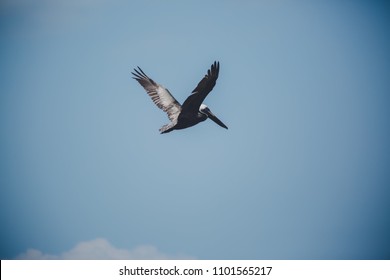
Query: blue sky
302, 172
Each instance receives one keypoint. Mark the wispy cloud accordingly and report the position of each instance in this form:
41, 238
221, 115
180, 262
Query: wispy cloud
101, 249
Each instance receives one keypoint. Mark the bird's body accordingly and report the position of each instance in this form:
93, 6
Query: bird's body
192, 111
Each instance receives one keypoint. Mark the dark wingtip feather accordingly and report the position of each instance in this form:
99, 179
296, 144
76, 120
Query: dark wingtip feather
139, 74
142, 71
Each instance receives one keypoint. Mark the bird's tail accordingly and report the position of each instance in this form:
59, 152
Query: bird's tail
167, 128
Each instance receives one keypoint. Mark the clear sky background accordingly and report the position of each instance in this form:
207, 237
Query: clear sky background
302, 173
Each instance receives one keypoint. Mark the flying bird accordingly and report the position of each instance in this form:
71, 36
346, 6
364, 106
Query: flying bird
193, 111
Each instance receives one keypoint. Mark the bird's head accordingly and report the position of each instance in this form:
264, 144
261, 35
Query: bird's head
206, 111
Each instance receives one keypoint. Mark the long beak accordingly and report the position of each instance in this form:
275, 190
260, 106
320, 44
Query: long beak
215, 119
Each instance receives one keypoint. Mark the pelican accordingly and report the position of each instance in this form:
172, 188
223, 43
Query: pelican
193, 111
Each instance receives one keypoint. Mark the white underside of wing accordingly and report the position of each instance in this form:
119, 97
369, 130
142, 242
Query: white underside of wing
165, 101
159, 94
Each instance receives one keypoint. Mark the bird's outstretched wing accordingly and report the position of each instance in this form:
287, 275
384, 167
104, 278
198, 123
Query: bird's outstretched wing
159, 94
193, 102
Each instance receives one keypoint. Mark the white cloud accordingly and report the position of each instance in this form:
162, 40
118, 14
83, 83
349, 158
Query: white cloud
101, 249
